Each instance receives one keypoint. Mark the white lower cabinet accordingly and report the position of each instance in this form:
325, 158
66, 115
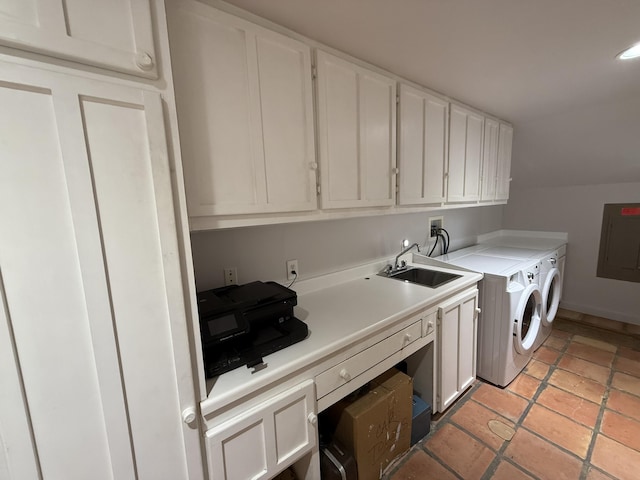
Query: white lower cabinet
457, 345
267, 438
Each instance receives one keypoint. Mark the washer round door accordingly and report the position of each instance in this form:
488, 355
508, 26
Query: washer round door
551, 296
526, 322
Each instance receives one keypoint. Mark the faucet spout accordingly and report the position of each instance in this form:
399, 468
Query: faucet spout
402, 252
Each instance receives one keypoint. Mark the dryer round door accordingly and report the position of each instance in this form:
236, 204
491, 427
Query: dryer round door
526, 322
551, 296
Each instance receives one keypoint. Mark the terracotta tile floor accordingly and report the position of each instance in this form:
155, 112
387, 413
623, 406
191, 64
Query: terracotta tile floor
573, 413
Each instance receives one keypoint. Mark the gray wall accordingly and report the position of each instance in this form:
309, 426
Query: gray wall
578, 211
260, 253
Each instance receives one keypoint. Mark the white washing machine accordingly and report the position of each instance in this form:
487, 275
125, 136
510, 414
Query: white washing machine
551, 248
511, 310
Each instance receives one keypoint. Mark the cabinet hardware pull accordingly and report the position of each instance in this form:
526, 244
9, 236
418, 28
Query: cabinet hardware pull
144, 61
188, 415
345, 375
312, 418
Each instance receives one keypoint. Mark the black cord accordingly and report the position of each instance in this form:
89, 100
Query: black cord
434, 246
446, 249
294, 278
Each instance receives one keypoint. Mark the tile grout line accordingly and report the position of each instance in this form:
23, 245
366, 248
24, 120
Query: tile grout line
596, 428
518, 424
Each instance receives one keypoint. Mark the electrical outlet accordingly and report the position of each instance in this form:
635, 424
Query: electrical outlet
292, 266
435, 224
230, 276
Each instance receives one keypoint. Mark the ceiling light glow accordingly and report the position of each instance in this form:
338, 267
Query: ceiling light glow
631, 52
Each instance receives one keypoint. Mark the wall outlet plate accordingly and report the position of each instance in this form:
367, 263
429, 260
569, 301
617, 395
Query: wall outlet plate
435, 223
230, 276
292, 266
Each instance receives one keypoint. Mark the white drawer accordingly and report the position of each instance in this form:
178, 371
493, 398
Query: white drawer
345, 371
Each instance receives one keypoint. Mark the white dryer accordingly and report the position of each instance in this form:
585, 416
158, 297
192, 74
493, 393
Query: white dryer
551, 277
511, 311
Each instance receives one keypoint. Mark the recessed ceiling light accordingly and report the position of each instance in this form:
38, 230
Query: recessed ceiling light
631, 52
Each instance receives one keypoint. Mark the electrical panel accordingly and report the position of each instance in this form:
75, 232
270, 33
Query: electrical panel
619, 256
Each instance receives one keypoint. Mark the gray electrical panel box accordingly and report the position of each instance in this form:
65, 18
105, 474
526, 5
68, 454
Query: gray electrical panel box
619, 256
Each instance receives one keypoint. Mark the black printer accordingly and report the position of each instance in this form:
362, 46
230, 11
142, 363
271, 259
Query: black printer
239, 324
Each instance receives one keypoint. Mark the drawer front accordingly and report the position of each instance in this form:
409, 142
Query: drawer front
265, 439
345, 371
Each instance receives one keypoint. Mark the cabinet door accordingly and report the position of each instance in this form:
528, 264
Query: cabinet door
505, 141
117, 35
92, 283
245, 108
457, 339
422, 147
266, 439
465, 154
356, 133
489, 160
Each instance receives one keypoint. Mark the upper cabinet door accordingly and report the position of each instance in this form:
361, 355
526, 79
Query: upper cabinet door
245, 108
356, 133
465, 154
422, 152
114, 34
489, 160
505, 141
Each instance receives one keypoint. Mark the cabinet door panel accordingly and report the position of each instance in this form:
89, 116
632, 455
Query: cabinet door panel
423, 147
92, 277
287, 122
338, 133
457, 335
377, 134
216, 101
276, 433
473, 161
356, 131
467, 341
457, 154
116, 35
44, 291
17, 460
245, 109
122, 164
465, 154
489, 160
504, 162
435, 139
411, 148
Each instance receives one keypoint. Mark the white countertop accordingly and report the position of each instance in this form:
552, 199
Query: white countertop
339, 309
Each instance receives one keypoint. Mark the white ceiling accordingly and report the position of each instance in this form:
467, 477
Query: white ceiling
547, 66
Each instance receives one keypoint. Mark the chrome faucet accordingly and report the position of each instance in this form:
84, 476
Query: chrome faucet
405, 248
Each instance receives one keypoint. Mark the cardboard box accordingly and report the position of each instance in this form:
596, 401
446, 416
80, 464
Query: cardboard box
421, 420
376, 427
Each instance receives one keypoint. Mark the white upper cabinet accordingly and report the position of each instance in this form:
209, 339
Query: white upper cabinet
489, 160
505, 141
245, 110
113, 34
356, 134
465, 154
422, 147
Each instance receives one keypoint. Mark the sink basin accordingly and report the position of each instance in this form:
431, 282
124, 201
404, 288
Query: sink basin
423, 276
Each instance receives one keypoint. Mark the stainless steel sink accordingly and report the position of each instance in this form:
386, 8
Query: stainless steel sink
423, 276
